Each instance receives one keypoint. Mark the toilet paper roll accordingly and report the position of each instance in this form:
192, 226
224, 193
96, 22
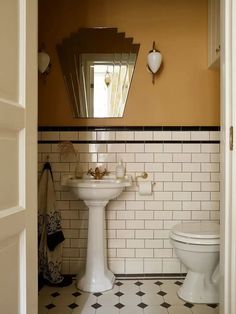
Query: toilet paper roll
145, 188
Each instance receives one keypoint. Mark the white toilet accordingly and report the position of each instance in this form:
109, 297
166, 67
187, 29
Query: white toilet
197, 244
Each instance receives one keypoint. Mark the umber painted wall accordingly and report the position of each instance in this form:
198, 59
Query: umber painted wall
186, 92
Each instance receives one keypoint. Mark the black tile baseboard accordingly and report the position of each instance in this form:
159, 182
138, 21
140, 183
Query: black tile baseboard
151, 276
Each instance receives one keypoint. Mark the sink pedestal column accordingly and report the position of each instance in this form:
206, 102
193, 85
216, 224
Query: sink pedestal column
97, 276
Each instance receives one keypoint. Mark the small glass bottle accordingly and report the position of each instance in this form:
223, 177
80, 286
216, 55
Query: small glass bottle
78, 171
120, 170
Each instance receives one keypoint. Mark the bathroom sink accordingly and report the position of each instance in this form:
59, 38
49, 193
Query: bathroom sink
104, 189
96, 194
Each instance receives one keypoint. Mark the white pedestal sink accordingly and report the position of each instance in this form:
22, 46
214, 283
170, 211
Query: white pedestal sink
96, 194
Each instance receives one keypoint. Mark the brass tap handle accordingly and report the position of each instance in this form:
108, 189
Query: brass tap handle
97, 174
105, 172
90, 171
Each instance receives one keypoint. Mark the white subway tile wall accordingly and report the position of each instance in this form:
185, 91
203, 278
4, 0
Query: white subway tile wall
186, 177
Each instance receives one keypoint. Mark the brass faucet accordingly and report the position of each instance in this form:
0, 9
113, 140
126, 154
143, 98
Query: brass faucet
97, 174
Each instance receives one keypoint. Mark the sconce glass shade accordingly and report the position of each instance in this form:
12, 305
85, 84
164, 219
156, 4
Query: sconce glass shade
43, 61
107, 79
154, 60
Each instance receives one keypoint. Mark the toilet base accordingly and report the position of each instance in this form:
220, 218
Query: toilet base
199, 288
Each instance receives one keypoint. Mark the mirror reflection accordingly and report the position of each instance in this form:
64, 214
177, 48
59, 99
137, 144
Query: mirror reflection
98, 65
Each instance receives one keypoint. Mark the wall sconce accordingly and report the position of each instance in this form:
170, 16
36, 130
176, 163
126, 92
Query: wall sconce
107, 79
154, 60
44, 64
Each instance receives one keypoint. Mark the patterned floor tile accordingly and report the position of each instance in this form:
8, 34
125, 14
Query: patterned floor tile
178, 309
140, 293
50, 306
68, 290
127, 282
86, 300
96, 305
172, 298
129, 288
108, 310
178, 283
113, 290
84, 310
60, 310
138, 283
66, 299
131, 310
119, 305
158, 283
142, 305
165, 305
169, 286
150, 286
162, 293
43, 301
212, 305
134, 296
119, 294
152, 299
118, 283
188, 305
97, 294
48, 290
200, 309
76, 294
108, 299
131, 299
155, 310
55, 294
72, 306
42, 309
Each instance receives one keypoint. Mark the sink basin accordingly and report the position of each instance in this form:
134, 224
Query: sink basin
100, 190
96, 194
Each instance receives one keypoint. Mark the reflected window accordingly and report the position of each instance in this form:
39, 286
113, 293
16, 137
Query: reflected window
101, 90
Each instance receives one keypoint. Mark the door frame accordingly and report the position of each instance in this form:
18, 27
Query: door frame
18, 157
228, 158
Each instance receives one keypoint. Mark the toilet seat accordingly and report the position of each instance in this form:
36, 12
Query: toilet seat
203, 233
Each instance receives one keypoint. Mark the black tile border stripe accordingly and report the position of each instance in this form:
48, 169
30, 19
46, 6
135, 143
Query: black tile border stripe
126, 128
151, 275
131, 142
147, 276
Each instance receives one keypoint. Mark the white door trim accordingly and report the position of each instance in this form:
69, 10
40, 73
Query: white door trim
31, 152
18, 157
228, 161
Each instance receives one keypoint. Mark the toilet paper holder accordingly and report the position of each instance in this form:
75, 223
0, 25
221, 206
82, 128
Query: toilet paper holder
143, 175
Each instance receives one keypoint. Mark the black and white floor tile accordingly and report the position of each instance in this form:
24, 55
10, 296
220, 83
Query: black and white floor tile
129, 296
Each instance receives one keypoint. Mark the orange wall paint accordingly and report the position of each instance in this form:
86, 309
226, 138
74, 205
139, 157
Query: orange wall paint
186, 92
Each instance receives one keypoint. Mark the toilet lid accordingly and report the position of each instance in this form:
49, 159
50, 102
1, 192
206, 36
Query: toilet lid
197, 230
194, 241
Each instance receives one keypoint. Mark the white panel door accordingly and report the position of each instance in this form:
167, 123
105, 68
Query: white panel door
18, 161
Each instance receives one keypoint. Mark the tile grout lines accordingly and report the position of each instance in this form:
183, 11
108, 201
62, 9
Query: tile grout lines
146, 294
